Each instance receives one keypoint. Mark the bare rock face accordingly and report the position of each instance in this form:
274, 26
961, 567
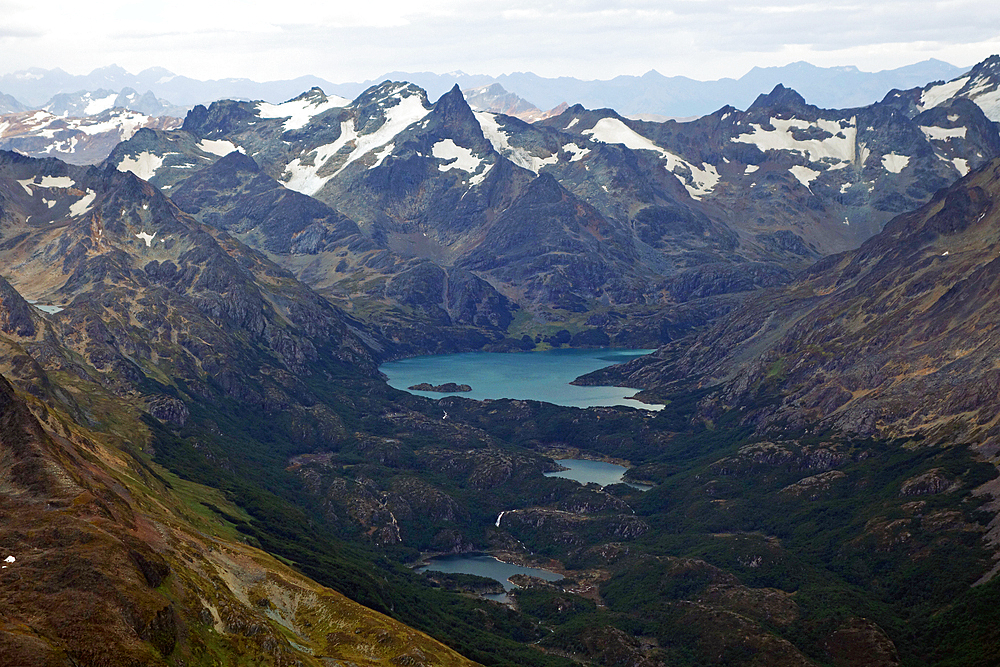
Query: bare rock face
169, 410
788, 455
15, 313
931, 482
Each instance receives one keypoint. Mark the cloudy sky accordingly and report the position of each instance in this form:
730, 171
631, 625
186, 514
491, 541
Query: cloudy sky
589, 39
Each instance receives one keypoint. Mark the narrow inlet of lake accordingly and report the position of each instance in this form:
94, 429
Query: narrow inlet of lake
536, 376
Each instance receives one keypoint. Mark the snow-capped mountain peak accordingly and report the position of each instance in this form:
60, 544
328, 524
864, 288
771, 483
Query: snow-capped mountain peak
301, 110
980, 85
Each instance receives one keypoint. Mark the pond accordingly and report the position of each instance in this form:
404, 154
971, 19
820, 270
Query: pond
536, 376
584, 472
486, 566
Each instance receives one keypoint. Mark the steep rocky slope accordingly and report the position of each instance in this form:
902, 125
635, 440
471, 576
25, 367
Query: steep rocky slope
109, 562
135, 280
894, 337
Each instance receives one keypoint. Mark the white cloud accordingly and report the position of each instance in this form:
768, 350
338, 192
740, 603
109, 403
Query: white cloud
588, 39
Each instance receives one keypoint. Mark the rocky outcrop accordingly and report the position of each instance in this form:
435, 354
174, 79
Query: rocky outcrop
931, 482
15, 313
446, 388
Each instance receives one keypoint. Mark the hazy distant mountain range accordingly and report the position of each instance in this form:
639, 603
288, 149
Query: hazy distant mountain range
651, 93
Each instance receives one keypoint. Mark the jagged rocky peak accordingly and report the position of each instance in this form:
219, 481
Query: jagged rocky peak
453, 103
781, 99
299, 111
235, 162
390, 93
314, 94
453, 119
219, 119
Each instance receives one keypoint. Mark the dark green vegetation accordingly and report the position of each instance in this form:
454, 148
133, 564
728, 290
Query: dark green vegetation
790, 550
247, 458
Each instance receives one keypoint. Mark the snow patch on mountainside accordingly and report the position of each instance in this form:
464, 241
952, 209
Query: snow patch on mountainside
219, 147
961, 165
100, 104
895, 163
302, 173
480, 177
57, 182
575, 151
613, 131
986, 95
983, 91
934, 133
699, 181
944, 92
500, 141
82, 206
804, 175
148, 238
47, 182
299, 112
838, 145
126, 123
143, 165
456, 157
382, 154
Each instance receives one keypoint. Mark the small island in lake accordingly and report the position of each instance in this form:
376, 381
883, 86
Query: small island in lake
446, 388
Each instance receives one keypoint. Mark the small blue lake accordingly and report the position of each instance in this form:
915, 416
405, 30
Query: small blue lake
486, 566
536, 376
584, 472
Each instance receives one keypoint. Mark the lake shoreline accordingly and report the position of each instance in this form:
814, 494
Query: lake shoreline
545, 376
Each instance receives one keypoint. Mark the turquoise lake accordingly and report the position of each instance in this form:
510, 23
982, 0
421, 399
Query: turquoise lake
536, 376
584, 472
486, 566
